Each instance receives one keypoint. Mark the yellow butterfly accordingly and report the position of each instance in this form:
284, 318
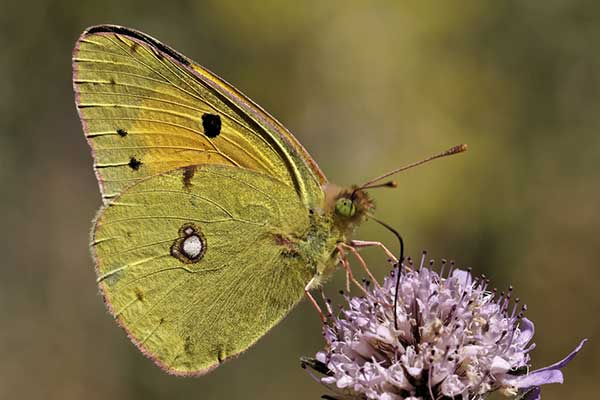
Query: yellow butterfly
216, 220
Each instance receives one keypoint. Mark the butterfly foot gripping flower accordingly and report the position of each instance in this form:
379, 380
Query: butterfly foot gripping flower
450, 338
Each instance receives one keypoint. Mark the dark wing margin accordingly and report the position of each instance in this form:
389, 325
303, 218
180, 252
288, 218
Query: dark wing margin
140, 36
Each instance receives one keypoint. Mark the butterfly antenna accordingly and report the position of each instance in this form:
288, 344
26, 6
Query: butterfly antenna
398, 266
389, 184
451, 151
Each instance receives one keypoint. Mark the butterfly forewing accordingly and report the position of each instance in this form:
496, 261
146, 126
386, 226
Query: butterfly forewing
147, 109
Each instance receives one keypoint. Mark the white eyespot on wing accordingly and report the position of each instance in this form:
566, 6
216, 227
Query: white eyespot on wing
192, 246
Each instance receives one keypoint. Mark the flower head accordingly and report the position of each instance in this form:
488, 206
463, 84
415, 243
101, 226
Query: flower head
448, 337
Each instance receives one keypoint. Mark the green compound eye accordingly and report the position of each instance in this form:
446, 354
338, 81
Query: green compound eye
345, 207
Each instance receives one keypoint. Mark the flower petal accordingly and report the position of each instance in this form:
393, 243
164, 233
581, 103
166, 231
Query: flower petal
527, 329
463, 277
565, 360
550, 374
537, 378
321, 357
390, 396
499, 366
533, 394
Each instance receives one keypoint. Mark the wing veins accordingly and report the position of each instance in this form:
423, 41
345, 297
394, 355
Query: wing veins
166, 79
157, 147
191, 306
183, 99
197, 94
115, 221
150, 98
138, 107
188, 194
232, 161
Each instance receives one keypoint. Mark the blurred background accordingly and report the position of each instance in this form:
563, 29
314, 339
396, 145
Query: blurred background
366, 87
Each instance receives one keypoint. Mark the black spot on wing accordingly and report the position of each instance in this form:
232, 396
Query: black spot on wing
188, 174
134, 163
121, 30
121, 132
211, 124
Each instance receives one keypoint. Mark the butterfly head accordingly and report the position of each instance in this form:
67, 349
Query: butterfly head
348, 207
345, 207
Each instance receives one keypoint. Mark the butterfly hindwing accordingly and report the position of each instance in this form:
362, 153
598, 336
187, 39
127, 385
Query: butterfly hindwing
192, 262
147, 109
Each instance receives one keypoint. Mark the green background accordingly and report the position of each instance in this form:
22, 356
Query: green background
366, 87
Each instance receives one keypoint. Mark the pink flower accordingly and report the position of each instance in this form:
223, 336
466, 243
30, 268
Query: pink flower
451, 338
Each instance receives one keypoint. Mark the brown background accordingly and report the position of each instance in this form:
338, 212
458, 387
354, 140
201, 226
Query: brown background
366, 86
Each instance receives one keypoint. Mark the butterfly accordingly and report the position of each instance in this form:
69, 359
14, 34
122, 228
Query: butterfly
216, 221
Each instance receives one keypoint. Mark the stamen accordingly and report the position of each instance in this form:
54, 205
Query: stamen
502, 334
517, 300
452, 265
443, 267
485, 282
327, 303
422, 258
430, 378
500, 300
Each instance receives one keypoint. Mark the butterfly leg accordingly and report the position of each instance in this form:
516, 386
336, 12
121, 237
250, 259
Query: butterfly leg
347, 281
361, 261
313, 301
346, 264
348, 277
327, 302
347, 271
361, 243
